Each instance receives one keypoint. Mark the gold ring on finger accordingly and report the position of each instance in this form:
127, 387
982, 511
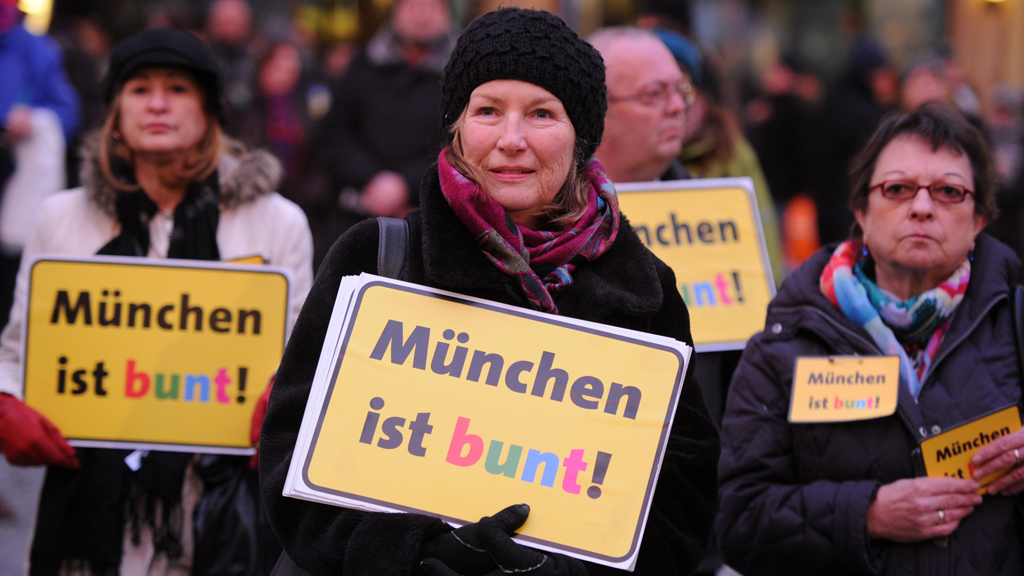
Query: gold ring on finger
942, 516
1016, 456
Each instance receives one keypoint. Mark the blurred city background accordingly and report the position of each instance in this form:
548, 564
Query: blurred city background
805, 82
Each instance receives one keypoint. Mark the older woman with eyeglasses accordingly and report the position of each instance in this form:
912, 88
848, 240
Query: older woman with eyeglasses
917, 281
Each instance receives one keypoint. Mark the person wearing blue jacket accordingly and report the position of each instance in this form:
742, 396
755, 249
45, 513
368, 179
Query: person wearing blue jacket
33, 78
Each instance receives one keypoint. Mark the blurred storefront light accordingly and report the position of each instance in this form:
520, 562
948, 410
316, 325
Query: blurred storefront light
37, 15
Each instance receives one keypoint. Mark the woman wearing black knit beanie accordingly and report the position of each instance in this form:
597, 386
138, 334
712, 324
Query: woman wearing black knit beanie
516, 210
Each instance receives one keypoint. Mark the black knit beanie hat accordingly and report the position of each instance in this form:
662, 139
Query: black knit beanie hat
536, 47
165, 47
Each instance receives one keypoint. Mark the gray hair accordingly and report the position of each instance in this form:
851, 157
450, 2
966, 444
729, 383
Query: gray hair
603, 38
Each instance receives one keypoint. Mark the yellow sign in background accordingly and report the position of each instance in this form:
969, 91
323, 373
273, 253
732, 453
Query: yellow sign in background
708, 232
133, 374
949, 454
366, 448
844, 388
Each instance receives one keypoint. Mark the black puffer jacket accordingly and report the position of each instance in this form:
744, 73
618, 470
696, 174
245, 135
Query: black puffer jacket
626, 287
794, 497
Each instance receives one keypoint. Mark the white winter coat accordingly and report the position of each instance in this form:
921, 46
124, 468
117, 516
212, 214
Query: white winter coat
254, 221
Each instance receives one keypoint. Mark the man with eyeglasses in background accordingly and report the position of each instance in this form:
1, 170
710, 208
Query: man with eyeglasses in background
647, 98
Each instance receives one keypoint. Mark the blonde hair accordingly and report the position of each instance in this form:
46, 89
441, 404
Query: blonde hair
568, 205
198, 165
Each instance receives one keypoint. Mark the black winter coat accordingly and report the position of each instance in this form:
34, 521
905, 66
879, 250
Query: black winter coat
626, 287
794, 497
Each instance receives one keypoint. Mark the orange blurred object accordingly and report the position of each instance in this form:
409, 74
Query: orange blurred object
800, 230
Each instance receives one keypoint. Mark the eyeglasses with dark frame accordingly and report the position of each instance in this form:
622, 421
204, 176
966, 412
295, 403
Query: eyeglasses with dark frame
659, 96
903, 190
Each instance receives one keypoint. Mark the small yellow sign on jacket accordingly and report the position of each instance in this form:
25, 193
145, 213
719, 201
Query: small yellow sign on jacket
458, 409
949, 454
708, 232
129, 352
844, 388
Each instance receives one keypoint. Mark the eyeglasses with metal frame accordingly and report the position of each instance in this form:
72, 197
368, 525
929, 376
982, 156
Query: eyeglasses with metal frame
659, 96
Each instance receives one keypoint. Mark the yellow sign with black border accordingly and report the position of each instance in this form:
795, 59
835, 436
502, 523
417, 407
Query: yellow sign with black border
169, 355
487, 405
709, 232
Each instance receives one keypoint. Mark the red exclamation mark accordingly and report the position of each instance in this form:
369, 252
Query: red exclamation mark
600, 467
241, 384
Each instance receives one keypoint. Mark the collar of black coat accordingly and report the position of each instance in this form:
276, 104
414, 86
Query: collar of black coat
675, 171
244, 175
994, 270
623, 280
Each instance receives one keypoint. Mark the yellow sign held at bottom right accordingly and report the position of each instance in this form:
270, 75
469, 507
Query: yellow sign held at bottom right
949, 454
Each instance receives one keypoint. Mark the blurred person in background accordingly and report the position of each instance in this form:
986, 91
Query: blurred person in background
337, 58
647, 98
671, 15
916, 279
39, 112
1006, 137
85, 42
382, 131
161, 181
963, 95
229, 31
846, 120
279, 119
778, 123
925, 81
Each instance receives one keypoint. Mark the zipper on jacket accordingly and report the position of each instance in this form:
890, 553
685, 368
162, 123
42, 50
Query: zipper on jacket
938, 359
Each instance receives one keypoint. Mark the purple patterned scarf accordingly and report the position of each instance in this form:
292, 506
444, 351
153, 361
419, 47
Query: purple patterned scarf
521, 252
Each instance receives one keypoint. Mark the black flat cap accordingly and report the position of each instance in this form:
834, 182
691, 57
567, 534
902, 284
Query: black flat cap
165, 47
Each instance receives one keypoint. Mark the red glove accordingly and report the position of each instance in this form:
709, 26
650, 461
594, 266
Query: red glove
27, 438
257, 423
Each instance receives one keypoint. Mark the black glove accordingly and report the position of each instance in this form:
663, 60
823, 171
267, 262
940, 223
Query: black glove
463, 550
508, 556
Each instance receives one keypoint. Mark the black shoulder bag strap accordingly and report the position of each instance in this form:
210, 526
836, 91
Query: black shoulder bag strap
394, 236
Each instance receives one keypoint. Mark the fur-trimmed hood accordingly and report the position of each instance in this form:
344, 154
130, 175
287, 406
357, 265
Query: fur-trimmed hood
244, 175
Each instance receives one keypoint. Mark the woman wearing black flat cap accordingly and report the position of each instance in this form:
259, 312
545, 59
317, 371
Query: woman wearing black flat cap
160, 181
518, 211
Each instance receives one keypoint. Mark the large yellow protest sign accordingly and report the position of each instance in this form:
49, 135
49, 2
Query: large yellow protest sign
129, 352
948, 455
458, 408
709, 233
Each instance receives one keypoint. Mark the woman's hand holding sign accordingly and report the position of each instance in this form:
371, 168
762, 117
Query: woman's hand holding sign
915, 509
1002, 453
27, 438
486, 548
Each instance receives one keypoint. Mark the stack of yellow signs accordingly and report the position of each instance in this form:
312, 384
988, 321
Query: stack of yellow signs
436, 403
